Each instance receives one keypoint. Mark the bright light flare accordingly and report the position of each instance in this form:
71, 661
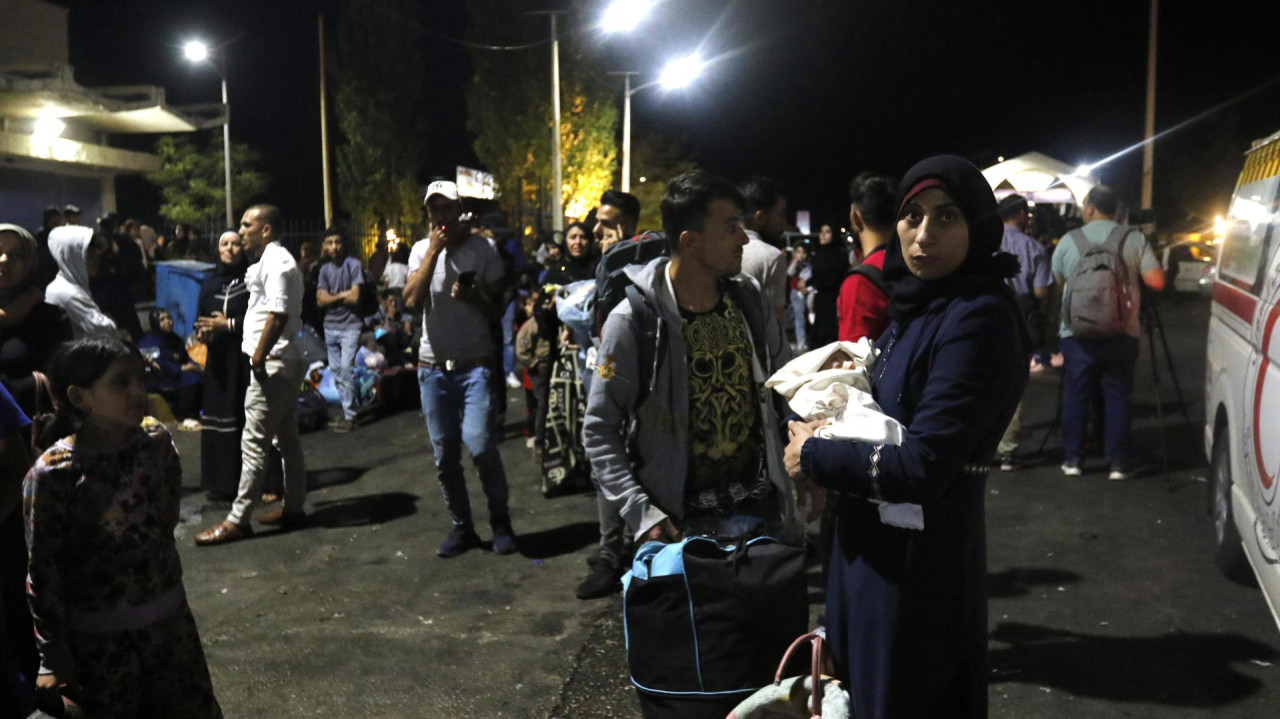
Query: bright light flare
625, 15
1219, 226
1084, 170
681, 72
195, 51
48, 128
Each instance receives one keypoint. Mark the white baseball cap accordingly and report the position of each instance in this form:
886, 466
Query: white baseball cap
444, 188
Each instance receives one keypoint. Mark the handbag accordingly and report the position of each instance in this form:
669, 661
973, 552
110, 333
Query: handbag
811, 696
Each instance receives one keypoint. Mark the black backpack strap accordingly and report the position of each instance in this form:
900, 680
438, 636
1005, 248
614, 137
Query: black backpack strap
874, 274
650, 341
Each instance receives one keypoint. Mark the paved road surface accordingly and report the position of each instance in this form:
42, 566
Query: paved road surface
1104, 598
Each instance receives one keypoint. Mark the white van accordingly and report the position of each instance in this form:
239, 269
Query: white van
1242, 378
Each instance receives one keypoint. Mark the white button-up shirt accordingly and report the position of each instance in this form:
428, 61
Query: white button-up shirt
275, 286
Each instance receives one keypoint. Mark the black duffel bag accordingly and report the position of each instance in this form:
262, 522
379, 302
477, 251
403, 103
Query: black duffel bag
706, 620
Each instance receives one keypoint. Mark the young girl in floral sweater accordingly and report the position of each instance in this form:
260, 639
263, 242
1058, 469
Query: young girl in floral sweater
115, 634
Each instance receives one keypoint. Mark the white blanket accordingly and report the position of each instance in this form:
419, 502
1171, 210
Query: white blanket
842, 397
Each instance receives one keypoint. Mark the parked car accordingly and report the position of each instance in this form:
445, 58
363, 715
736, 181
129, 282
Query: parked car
1242, 379
1188, 263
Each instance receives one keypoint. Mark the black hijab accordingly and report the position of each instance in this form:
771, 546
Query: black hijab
984, 269
218, 280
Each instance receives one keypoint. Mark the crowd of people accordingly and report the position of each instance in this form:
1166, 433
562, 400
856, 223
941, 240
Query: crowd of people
642, 354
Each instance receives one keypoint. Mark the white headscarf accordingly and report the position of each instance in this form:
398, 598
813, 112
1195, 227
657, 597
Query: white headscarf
70, 289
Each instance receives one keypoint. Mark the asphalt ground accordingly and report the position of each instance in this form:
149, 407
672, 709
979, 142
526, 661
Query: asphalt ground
1104, 598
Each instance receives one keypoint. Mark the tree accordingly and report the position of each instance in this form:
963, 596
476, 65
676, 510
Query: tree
658, 160
378, 79
192, 181
509, 110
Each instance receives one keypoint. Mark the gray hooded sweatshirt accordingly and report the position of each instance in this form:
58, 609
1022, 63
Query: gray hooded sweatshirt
649, 483
70, 289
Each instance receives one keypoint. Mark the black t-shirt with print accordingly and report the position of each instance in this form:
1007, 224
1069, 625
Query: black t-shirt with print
726, 454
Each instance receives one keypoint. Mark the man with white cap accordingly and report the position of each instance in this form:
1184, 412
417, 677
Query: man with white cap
455, 281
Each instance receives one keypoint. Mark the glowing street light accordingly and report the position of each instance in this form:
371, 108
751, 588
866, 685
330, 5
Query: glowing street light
195, 51
625, 15
681, 72
47, 128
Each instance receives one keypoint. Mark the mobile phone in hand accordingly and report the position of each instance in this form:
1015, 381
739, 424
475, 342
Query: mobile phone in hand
467, 279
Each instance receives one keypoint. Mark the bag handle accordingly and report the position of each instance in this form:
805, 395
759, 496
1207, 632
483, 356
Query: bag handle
816, 665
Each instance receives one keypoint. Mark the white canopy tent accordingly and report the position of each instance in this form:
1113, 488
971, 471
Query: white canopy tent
1039, 178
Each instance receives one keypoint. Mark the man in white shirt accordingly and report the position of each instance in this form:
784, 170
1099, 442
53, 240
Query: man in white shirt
765, 220
455, 281
271, 322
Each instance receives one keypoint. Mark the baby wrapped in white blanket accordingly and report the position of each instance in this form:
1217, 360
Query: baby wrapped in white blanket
833, 383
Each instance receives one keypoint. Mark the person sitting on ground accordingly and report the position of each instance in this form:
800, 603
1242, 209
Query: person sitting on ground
78, 252
392, 328
172, 374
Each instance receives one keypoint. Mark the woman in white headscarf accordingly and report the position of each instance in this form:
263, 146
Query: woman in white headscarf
78, 252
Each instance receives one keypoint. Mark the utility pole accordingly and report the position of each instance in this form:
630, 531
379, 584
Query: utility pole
1148, 145
324, 132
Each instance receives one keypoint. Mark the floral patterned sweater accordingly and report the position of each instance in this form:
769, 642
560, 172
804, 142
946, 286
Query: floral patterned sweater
99, 527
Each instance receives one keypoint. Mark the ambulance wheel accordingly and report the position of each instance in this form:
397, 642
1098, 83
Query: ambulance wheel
1228, 550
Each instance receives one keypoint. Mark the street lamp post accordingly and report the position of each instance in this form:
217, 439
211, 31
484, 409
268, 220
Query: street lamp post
557, 178
197, 51
677, 74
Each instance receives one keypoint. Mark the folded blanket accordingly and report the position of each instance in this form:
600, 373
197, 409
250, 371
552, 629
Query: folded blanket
843, 398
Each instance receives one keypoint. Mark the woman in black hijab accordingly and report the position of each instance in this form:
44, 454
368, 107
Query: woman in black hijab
830, 262
224, 298
579, 260
907, 607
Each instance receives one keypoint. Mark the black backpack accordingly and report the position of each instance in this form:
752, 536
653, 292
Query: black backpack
611, 278
874, 274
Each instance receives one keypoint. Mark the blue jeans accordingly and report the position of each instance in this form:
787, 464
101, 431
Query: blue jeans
509, 339
456, 406
342, 345
1087, 364
800, 315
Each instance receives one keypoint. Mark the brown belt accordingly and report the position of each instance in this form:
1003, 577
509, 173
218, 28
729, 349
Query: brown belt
455, 365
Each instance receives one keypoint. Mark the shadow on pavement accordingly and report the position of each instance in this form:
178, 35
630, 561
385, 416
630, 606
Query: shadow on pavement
1177, 669
364, 510
559, 540
333, 476
1019, 581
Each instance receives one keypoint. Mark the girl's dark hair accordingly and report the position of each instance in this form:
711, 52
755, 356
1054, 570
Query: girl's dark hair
81, 363
153, 318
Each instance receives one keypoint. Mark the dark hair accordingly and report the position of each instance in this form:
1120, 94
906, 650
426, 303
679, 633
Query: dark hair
871, 195
624, 201
687, 199
153, 318
580, 225
759, 193
342, 238
81, 363
1104, 198
51, 212
270, 215
1011, 207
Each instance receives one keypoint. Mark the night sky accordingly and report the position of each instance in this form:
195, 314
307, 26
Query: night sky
808, 91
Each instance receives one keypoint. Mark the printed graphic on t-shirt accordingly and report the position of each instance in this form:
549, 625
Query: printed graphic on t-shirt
724, 436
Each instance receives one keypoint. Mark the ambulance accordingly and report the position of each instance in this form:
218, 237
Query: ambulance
1242, 379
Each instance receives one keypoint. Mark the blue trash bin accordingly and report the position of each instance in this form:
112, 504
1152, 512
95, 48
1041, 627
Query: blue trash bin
178, 291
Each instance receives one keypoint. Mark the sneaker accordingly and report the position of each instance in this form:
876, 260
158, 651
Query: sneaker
1009, 463
341, 425
603, 580
460, 539
513, 381
1071, 468
504, 540
1119, 473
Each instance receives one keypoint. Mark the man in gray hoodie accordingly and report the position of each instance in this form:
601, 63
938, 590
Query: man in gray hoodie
694, 438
